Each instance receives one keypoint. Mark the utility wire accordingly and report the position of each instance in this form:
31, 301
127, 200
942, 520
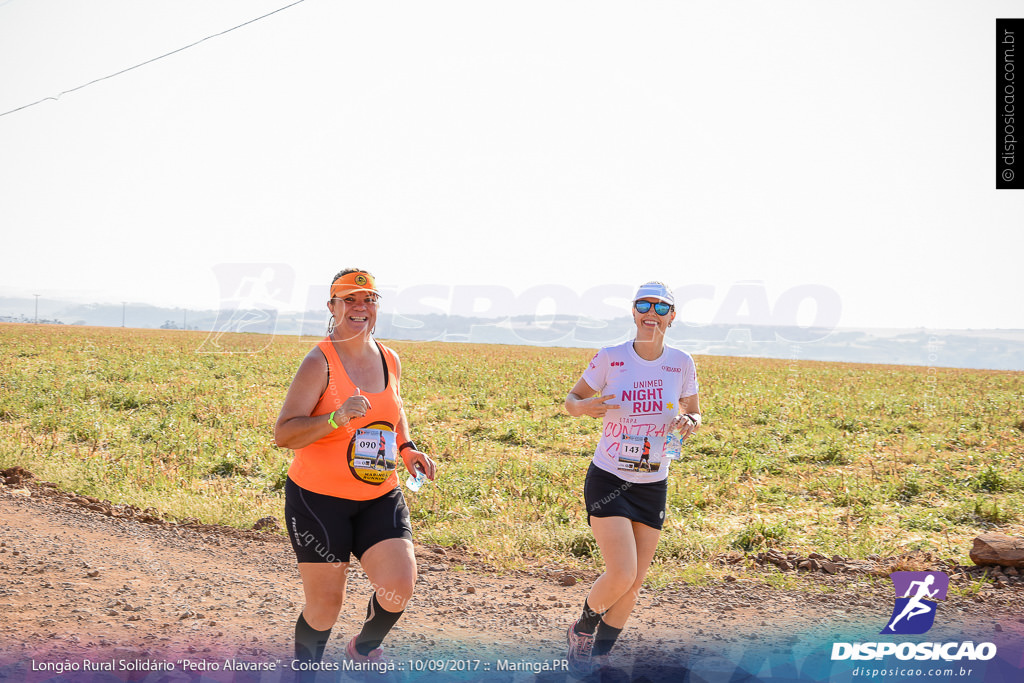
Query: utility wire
150, 61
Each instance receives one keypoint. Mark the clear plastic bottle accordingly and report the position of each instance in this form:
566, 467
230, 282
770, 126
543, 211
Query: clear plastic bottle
414, 483
672, 446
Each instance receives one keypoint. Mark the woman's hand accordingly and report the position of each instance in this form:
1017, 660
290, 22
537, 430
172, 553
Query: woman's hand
355, 405
686, 424
595, 406
412, 457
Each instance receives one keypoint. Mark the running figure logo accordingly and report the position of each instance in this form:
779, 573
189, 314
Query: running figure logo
645, 456
916, 593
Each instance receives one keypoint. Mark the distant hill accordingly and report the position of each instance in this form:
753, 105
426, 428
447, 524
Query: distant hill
985, 349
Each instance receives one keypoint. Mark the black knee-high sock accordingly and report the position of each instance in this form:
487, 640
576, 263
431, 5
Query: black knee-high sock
588, 622
378, 622
604, 638
309, 643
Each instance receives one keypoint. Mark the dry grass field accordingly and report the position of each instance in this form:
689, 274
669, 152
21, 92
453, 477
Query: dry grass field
837, 458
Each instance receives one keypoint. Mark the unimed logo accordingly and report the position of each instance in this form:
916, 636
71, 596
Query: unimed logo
914, 613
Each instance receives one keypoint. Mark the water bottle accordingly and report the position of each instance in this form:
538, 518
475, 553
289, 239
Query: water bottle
672, 446
414, 483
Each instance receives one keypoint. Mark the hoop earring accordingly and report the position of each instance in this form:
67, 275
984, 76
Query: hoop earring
330, 325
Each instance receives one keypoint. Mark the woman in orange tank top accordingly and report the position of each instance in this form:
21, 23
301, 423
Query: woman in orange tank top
343, 417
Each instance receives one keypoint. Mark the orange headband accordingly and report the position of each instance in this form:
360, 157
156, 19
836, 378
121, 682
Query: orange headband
359, 281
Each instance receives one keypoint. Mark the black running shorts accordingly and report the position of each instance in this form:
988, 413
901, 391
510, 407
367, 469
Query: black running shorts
328, 529
608, 496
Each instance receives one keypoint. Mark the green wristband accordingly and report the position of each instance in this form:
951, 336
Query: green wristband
330, 419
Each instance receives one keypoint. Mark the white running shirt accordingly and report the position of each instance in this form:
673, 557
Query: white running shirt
647, 393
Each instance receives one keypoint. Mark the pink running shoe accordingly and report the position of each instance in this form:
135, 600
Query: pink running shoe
581, 647
353, 654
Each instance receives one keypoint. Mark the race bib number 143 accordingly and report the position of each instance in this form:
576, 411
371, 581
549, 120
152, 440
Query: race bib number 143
640, 453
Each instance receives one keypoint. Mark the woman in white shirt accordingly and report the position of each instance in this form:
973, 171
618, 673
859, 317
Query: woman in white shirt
642, 391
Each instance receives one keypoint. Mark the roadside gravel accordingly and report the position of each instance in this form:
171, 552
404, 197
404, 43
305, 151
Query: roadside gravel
84, 578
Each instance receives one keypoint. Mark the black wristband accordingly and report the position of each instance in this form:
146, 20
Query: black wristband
410, 444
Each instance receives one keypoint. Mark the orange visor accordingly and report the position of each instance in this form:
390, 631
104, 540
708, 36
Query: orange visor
353, 282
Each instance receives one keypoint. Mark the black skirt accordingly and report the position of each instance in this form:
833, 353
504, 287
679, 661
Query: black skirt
608, 496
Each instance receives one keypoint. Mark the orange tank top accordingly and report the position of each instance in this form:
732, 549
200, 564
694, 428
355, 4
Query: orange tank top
357, 460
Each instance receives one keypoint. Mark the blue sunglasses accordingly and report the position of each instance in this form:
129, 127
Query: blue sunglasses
661, 308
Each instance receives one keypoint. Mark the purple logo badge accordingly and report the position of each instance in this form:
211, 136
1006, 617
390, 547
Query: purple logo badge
916, 593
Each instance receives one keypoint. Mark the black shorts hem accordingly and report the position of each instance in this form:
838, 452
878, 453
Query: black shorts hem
606, 495
329, 530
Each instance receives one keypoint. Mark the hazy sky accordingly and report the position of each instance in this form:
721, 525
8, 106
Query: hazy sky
759, 156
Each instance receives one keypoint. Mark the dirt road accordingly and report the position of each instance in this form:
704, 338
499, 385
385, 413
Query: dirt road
85, 583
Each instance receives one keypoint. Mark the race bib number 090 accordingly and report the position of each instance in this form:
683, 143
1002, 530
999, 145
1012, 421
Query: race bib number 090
372, 455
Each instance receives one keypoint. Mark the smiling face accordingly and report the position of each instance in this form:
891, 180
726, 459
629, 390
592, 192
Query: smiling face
650, 323
354, 314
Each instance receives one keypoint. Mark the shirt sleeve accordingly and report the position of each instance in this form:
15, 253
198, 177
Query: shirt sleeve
596, 374
690, 385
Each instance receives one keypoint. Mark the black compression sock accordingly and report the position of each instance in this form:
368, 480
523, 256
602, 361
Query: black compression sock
309, 643
588, 622
378, 622
604, 638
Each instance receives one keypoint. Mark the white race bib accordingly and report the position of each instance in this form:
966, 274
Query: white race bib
374, 449
640, 453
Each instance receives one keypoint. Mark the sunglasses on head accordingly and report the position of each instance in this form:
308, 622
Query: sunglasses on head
661, 308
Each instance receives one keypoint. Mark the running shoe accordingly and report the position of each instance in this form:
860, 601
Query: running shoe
353, 654
581, 646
